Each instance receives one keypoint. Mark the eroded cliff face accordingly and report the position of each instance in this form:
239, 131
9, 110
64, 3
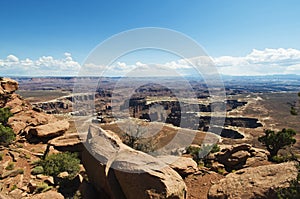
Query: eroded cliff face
31, 123
173, 112
33, 129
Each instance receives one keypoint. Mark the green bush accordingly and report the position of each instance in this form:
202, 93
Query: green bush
54, 164
10, 166
1, 156
215, 148
37, 170
274, 141
293, 111
133, 137
200, 154
4, 115
7, 135
43, 187
284, 158
13, 187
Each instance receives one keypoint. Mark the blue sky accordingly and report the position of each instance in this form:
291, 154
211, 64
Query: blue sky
67, 30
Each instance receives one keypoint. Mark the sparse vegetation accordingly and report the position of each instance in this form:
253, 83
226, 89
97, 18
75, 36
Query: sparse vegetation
7, 135
274, 141
19, 145
1, 156
134, 138
55, 164
27, 156
13, 187
283, 158
10, 166
43, 187
221, 171
215, 148
293, 111
20, 171
37, 170
291, 192
4, 115
200, 153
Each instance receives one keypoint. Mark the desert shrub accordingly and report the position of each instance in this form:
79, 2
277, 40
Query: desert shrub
221, 171
293, 111
43, 187
200, 154
274, 141
20, 171
283, 158
7, 135
10, 166
55, 164
37, 170
215, 148
19, 146
13, 187
133, 137
4, 115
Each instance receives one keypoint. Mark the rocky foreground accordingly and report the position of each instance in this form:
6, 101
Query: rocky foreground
111, 169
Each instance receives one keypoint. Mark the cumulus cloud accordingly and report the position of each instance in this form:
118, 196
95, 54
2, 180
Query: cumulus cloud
43, 66
257, 62
12, 58
261, 62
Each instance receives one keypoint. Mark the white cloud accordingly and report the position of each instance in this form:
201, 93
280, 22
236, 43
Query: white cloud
261, 62
45, 65
258, 62
12, 58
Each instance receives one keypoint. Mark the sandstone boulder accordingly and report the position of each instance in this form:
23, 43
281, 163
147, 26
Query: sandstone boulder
68, 142
17, 104
3, 196
182, 165
52, 129
126, 173
235, 157
32, 118
8, 86
254, 182
18, 126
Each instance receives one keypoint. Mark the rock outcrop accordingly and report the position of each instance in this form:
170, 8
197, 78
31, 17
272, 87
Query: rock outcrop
53, 129
235, 157
25, 119
47, 195
254, 182
69, 142
182, 165
8, 86
123, 172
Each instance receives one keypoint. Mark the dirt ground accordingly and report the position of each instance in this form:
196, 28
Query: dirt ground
198, 184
